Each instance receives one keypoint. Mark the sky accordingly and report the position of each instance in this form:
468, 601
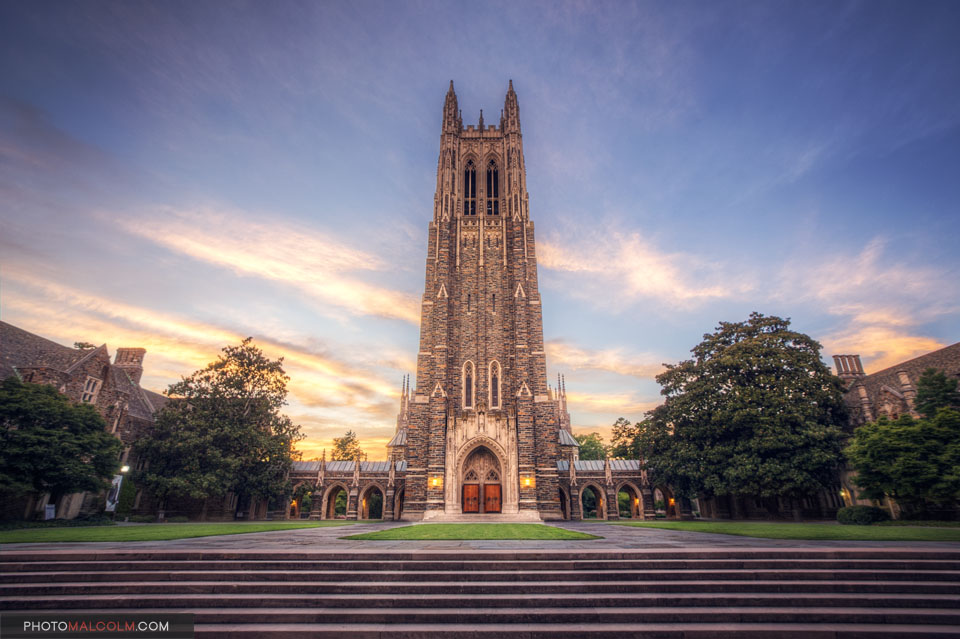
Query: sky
180, 175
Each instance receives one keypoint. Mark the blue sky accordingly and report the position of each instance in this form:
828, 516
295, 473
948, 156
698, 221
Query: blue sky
178, 175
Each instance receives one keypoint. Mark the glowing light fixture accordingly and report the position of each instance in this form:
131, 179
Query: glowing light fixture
124, 469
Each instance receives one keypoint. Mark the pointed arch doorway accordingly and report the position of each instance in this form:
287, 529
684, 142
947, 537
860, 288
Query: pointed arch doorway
480, 481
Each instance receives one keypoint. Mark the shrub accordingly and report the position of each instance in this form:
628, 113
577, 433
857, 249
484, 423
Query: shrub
178, 519
861, 515
142, 519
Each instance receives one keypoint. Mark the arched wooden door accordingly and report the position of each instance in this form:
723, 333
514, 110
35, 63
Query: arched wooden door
481, 490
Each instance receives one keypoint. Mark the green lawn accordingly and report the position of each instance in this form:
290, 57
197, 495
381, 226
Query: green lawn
474, 531
770, 530
153, 532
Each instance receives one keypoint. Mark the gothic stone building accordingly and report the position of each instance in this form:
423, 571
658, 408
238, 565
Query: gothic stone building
86, 376
482, 432
890, 392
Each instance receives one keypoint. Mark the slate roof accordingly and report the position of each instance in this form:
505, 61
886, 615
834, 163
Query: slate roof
18, 348
22, 349
594, 465
566, 439
946, 359
399, 439
347, 466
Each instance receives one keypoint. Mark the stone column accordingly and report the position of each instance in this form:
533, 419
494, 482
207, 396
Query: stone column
684, 509
388, 501
352, 503
613, 506
576, 506
648, 511
316, 505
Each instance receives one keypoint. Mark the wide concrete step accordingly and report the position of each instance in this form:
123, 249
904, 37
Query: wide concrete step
478, 575
502, 588
458, 556
475, 566
579, 631
699, 614
485, 601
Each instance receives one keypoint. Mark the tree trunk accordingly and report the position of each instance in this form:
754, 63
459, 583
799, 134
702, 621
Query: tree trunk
797, 513
203, 511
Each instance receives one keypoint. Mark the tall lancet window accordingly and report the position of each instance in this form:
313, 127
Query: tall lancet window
469, 384
493, 189
494, 384
470, 189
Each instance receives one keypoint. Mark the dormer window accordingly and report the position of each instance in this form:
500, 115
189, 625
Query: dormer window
90, 390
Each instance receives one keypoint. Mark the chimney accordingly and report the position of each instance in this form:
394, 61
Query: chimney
848, 367
131, 361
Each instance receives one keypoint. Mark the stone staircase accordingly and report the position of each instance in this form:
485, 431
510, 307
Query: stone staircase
470, 593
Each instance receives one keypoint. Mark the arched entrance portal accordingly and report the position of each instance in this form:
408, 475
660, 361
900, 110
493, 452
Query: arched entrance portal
629, 502
371, 503
335, 503
591, 500
480, 481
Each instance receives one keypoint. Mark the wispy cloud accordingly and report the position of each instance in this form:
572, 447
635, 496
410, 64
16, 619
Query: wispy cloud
633, 267
615, 360
332, 389
304, 258
884, 301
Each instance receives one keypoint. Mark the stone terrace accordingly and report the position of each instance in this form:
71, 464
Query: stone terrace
633, 583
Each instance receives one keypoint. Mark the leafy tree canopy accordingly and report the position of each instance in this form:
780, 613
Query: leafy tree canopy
934, 391
222, 431
49, 444
347, 448
83, 346
754, 413
915, 461
591, 446
625, 443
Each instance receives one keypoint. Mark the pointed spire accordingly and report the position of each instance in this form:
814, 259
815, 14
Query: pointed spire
451, 111
511, 110
481, 119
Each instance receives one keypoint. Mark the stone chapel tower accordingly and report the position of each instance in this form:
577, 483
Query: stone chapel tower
482, 431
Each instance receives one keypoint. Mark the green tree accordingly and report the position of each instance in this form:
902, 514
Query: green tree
754, 413
223, 432
83, 346
625, 442
347, 448
591, 446
914, 461
934, 391
49, 444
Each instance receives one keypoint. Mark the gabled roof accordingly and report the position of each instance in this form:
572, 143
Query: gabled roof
18, 348
566, 439
946, 359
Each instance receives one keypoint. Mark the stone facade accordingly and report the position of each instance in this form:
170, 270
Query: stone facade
481, 396
481, 432
84, 376
890, 392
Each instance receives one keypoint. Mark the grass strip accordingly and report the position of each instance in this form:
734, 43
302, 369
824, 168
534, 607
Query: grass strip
768, 530
152, 532
926, 523
473, 531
